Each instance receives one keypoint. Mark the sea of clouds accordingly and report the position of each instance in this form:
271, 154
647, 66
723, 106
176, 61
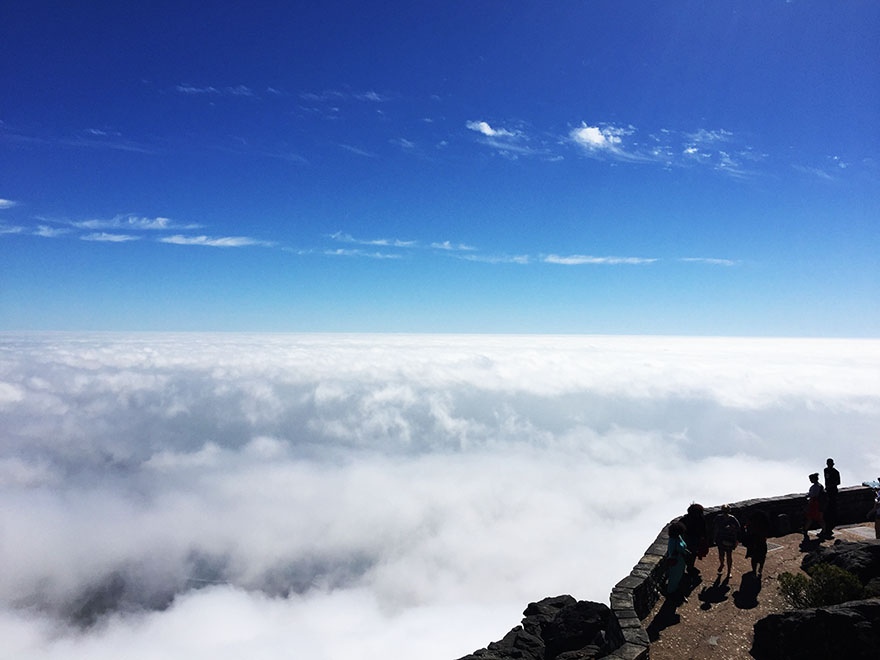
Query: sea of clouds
379, 496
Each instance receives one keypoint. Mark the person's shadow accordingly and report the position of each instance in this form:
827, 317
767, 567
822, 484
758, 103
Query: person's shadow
666, 616
810, 543
715, 593
746, 597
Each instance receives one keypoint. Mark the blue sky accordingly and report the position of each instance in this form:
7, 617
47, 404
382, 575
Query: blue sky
574, 167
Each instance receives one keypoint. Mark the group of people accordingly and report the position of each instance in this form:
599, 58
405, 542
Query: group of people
689, 537
689, 541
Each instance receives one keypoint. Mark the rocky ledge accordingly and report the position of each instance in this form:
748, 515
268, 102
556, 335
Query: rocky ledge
559, 628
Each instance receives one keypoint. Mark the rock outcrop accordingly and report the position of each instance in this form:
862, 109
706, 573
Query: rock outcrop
849, 630
558, 628
862, 559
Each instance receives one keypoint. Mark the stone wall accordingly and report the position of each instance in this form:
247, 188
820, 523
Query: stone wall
635, 595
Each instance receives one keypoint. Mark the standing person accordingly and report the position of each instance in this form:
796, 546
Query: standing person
757, 531
726, 532
813, 512
875, 512
832, 481
695, 537
676, 553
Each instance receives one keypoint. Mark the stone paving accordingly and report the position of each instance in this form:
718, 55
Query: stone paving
718, 618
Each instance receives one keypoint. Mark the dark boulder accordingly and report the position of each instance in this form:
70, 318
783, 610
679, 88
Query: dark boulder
559, 628
862, 559
849, 630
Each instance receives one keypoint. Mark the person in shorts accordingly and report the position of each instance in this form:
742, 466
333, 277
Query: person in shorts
726, 535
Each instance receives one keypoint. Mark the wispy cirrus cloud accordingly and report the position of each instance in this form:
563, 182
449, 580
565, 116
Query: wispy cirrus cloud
358, 151
7, 204
579, 259
326, 95
105, 237
215, 241
133, 222
11, 229
453, 247
710, 260
511, 143
356, 252
343, 237
521, 259
47, 231
233, 90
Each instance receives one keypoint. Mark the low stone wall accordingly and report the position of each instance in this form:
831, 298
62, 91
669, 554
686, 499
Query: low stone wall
635, 595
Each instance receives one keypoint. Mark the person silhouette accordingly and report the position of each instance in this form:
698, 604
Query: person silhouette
832, 481
726, 533
813, 512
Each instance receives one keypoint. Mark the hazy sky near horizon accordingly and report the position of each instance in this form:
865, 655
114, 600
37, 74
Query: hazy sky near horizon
568, 167
379, 496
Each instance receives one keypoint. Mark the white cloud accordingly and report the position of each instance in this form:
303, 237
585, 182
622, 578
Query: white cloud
371, 96
358, 151
133, 223
109, 238
484, 128
343, 252
711, 260
457, 247
815, 171
497, 258
362, 495
594, 137
10, 229
403, 143
234, 90
703, 136
578, 259
382, 242
215, 241
50, 232
7, 204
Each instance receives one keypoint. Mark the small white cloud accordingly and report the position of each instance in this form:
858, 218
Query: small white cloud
7, 203
358, 151
484, 128
236, 90
403, 143
497, 258
703, 136
343, 237
447, 245
50, 232
343, 252
578, 259
10, 229
710, 260
593, 137
371, 96
109, 238
131, 222
219, 241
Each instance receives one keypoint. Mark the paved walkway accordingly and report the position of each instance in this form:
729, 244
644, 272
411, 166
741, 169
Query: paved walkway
718, 619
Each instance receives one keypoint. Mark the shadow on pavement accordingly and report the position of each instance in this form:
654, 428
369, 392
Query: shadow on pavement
746, 597
715, 593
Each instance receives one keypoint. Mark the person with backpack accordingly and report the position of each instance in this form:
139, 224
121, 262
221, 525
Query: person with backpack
726, 535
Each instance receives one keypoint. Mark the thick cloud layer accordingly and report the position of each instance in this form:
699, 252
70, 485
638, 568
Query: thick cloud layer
333, 496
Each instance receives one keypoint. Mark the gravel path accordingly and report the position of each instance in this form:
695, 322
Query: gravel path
718, 618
